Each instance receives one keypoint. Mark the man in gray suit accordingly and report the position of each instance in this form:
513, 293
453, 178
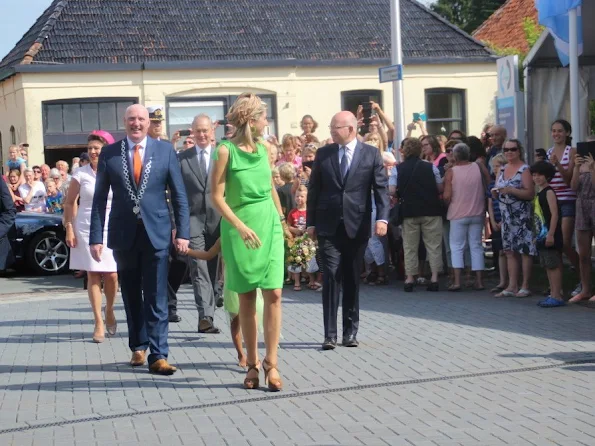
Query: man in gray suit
204, 219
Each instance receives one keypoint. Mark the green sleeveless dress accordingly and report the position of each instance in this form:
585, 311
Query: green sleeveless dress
248, 194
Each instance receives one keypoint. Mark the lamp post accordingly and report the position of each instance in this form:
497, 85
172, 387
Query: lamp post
575, 110
397, 59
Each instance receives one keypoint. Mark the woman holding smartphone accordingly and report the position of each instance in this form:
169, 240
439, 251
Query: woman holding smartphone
583, 182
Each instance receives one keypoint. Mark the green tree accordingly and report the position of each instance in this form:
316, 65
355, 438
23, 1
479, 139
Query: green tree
466, 14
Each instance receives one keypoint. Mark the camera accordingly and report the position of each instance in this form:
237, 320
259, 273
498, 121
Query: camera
367, 113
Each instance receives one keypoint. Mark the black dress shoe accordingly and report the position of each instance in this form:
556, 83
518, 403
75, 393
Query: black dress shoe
329, 343
350, 341
219, 302
174, 318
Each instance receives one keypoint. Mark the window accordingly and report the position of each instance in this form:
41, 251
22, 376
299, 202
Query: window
13, 135
181, 112
84, 115
445, 111
351, 100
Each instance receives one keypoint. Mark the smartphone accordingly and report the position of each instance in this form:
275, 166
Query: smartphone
184, 132
416, 117
586, 148
308, 164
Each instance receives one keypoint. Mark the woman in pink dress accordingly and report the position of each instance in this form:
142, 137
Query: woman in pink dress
77, 221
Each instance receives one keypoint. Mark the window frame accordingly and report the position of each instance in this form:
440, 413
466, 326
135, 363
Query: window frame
366, 92
228, 101
81, 101
452, 91
13, 135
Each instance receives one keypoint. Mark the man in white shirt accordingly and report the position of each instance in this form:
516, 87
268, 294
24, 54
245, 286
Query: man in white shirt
204, 219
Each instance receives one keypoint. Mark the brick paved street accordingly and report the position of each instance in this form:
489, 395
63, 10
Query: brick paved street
432, 369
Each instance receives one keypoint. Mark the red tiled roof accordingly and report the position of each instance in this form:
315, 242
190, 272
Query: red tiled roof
504, 28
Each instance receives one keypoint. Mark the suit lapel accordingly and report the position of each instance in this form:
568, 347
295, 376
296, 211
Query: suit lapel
357, 155
193, 163
335, 164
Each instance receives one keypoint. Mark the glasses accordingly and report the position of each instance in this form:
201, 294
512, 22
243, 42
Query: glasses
338, 127
448, 150
510, 149
36, 171
488, 135
188, 142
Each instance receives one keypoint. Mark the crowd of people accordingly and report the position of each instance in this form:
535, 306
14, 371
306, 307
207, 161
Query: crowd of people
250, 212
39, 188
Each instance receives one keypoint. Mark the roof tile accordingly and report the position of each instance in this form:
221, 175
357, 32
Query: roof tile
137, 31
505, 27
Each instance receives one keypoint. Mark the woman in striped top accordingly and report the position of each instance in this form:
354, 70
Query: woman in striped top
561, 155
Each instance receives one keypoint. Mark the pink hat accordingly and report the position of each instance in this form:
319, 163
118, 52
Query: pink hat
105, 135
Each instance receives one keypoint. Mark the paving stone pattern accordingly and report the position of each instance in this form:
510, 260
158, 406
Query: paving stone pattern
431, 369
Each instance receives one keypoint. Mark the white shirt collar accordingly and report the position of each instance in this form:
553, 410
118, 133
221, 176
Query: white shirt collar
207, 150
351, 145
143, 143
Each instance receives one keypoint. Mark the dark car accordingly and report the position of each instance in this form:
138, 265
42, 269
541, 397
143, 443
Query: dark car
38, 241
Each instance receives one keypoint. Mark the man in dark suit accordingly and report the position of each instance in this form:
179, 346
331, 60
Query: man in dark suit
339, 215
138, 169
196, 164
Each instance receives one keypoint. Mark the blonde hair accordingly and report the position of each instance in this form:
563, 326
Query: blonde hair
275, 171
375, 137
13, 147
287, 172
50, 181
498, 159
247, 107
301, 188
309, 148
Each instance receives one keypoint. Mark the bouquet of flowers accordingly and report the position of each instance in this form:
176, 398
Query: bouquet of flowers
301, 252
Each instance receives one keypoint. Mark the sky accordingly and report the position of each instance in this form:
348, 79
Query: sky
19, 15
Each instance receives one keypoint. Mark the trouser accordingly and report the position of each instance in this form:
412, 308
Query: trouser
430, 229
203, 275
143, 281
175, 276
466, 233
341, 266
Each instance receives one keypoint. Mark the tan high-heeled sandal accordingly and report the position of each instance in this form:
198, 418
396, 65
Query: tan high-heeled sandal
274, 385
111, 329
252, 383
97, 338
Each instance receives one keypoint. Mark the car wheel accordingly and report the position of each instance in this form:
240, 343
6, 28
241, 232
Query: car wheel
47, 253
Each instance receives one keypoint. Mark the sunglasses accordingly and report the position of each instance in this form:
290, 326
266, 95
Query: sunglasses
448, 150
188, 142
510, 149
36, 171
488, 135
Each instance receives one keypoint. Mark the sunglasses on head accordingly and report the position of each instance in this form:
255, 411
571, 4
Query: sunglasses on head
510, 149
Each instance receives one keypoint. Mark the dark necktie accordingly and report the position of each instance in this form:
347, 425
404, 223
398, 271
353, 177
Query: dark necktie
344, 163
202, 164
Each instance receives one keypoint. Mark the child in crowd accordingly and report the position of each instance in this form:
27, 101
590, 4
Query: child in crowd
15, 162
296, 221
54, 200
277, 181
231, 303
496, 164
33, 193
14, 181
550, 246
305, 170
287, 174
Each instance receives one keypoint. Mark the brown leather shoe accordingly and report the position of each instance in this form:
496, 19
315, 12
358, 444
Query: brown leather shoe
161, 367
206, 326
138, 358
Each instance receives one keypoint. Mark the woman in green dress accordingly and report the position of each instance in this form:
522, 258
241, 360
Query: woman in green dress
251, 232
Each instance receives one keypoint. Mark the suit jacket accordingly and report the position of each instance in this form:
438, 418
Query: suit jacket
7, 216
203, 215
332, 199
123, 223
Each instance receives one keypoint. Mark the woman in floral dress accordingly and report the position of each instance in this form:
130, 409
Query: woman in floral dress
515, 190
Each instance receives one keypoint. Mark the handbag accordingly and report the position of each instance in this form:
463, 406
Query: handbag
395, 216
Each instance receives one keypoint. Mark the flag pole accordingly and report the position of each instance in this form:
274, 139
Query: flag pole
397, 59
575, 116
